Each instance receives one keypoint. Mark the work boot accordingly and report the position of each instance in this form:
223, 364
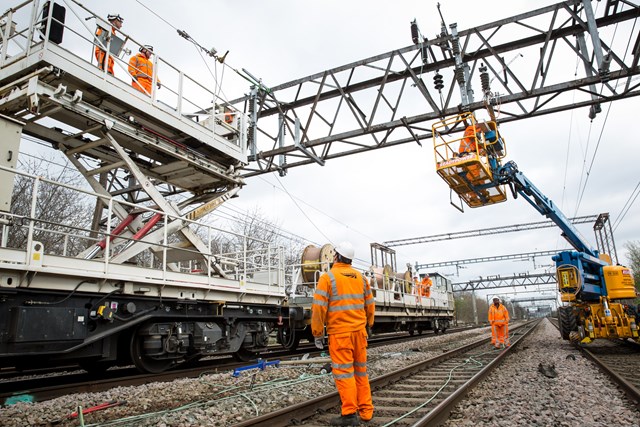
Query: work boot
345, 420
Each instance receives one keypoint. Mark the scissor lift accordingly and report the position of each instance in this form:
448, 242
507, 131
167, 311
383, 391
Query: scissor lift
469, 173
132, 146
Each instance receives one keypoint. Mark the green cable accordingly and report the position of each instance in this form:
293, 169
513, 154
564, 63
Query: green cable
271, 384
435, 394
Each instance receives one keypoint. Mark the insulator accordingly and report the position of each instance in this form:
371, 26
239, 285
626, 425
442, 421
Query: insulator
459, 72
484, 79
438, 82
455, 45
414, 32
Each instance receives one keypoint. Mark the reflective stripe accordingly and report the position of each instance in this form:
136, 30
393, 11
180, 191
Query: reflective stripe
320, 302
348, 296
360, 364
323, 293
344, 366
346, 307
343, 376
369, 301
360, 374
334, 286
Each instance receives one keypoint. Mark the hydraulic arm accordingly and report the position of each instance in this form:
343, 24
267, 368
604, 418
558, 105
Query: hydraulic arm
598, 293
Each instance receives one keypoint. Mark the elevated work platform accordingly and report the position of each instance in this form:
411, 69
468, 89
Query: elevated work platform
464, 162
135, 147
48, 70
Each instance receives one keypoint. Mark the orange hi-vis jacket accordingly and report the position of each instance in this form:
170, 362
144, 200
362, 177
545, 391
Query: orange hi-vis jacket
498, 316
343, 300
141, 69
468, 142
100, 54
425, 287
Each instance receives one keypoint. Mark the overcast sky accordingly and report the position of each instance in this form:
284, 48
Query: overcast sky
395, 193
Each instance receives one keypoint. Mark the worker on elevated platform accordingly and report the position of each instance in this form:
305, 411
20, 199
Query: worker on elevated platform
116, 22
468, 145
141, 70
344, 302
425, 287
499, 321
468, 142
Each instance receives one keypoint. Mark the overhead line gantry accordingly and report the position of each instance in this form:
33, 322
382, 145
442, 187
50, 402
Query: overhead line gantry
367, 105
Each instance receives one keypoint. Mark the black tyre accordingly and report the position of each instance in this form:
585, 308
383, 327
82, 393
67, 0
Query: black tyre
567, 321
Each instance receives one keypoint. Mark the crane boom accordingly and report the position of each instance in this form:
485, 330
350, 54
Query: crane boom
520, 184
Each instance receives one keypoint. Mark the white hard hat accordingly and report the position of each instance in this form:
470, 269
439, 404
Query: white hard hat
346, 250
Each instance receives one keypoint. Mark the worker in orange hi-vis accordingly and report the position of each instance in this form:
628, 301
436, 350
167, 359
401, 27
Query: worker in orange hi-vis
468, 145
499, 321
426, 286
344, 303
468, 141
141, 70
101, 56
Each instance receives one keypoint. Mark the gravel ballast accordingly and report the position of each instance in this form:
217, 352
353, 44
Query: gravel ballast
516, 394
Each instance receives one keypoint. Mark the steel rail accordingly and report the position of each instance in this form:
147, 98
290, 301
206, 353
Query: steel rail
294, 414
631, 388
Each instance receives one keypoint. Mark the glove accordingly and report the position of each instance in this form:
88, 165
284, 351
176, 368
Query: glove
159, 85
369, 333
319, 342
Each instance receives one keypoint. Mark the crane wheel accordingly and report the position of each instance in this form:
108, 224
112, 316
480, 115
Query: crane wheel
568, 322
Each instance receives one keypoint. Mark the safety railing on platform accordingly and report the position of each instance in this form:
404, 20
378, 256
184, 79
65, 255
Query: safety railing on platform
34, 26
58, 216
396, 291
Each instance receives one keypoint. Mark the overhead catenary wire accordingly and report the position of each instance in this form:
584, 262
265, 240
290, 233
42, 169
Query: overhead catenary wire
586, 177
319, 210
209, 52
625, 209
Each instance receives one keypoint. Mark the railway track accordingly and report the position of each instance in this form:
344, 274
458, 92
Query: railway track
39, 388
619, 359
420, 394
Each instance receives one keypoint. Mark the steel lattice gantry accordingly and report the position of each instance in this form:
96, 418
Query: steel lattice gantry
388, 99
486, 231
521, 256
495, 282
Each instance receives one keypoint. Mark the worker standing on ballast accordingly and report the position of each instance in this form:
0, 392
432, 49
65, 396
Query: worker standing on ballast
499, 321
344, 302
116, 22
141, 70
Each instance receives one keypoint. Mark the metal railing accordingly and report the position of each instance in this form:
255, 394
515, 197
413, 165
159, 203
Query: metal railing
32, 27
68, 233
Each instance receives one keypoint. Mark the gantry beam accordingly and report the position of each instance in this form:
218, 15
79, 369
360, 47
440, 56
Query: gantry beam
487, 231
522, 256
383, 101
496, 282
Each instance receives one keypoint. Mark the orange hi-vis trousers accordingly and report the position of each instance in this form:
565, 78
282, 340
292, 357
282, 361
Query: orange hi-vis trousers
348, 353
500, 334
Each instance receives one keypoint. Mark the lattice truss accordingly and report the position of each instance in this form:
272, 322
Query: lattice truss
555, 58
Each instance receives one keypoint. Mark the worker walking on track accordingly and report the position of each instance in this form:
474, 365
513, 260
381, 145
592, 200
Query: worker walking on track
101, 56
141, 70
499, 321
344, 302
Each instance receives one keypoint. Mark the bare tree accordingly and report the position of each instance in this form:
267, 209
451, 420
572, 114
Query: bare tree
62, 215
634, 259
